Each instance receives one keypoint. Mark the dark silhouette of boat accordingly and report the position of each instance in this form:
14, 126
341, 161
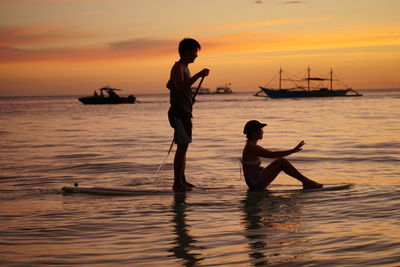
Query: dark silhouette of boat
224, 89
111, 98
300, 91
201, 91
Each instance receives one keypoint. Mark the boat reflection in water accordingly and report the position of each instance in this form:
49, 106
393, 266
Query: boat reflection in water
302, 91
111, 98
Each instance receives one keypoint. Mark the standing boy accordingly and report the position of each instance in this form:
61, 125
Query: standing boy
180, 112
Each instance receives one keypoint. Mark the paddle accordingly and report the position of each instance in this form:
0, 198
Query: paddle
198, 88
173, 138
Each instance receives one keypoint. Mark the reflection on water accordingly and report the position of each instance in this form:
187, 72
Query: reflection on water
47, 143
252, 221
266, 218
184, 242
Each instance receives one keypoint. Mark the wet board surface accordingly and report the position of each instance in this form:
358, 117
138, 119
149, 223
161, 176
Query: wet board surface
134, 191
327, 187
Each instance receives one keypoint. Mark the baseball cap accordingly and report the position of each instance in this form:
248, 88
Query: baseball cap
252, 126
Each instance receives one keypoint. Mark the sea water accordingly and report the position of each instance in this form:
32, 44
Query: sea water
50, 142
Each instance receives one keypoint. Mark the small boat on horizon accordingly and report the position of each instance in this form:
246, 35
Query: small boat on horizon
202, 91
303, 91
111, 98
225, 89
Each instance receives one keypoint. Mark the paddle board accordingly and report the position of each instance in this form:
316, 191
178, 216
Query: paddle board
327, 187
130, 191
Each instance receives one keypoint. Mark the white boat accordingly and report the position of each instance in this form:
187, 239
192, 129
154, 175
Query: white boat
225, 89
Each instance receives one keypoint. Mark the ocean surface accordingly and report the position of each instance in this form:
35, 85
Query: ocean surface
50, 142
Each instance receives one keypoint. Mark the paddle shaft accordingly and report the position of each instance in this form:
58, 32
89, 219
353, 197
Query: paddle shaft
198, 88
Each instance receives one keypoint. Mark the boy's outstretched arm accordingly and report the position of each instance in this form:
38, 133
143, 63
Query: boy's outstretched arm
265, 153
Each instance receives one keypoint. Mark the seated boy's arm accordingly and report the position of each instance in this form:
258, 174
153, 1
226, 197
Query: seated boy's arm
259, 151
265, 153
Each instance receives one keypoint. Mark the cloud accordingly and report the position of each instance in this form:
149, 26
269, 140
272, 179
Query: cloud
36, 34
258, 43
217, 44
143, 48
264, 23
134, 48
93, 13
141, 43
286, 2
294, 2
251, 24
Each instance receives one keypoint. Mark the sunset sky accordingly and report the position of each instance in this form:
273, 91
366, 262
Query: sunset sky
71, 47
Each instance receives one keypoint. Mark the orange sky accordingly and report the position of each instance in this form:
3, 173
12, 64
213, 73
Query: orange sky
50, 47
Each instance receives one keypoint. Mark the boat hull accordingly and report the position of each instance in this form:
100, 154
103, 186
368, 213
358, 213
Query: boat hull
284, 93
98, 100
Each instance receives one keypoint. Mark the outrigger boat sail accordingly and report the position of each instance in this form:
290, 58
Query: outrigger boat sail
300, 91
112, 97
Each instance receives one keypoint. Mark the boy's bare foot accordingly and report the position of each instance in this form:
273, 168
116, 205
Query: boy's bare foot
186, 183
310, 184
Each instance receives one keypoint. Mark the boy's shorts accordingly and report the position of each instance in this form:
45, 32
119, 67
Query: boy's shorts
182, 125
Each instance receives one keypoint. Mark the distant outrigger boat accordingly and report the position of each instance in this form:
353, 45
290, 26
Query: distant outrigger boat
303, 91
112, 97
